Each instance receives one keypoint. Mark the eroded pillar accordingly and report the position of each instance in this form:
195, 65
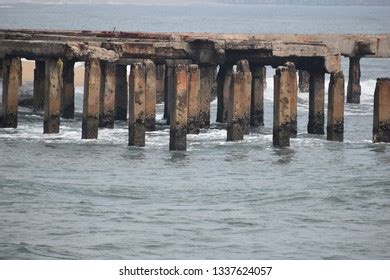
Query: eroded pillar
226, 92
304, 81
354, 88
257, 99
150, 95
1, 67
206, 83
179, 114
168, 93
193, 99
381, 129
107, 95
53, 90
220, 98
336, 96
282, 106
11, 84
137, 89
67, 101
121, 92
293, 94
316, 103
160, 83
92, 85
39, 85
239, 102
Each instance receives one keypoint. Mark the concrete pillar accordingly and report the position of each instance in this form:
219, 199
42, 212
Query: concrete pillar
239, 102
381, 129
20, 71
150, 95
226, 93
206, 82
259, 76
220, 98
178, 123
11, 83
67, 101
336, 95
354, 88
293, 95
137, 89
90, 125
282, 108
107, 95
168, 93
304, 81
1, 67
160, 83
39, 85
316, 103
121, 92
53, 90
193, 99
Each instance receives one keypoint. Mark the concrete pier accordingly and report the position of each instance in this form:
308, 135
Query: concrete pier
137, 89
316, 103
11, 84
259, 76
239, 102
90, 124
336, 96
150, 95
193, 99
107, 95
179, 114
67, 101
354, 88
206, 83
381, 131
39, 85
53, 90
282, 106
160, 83
304, 81
121, 92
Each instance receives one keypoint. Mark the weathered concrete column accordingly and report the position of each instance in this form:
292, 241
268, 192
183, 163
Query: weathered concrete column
1, 67
121, 92
304, 81
226, 92
160, 83
381, 129
354, 88
11, 83
20, 71
107, 95
282, 106
193, 99
178, 123
67, 101
293, 95
150, 95
336, 97
137, 89
39, 85
220, 98
168, 93
239, 102
53, 90
316, 103
90, 125
259, 76
206, 83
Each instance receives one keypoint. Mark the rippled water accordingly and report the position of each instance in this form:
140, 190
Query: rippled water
63, 197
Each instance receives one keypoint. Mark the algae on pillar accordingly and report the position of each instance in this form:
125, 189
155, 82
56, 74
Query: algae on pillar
90, 124
336, 96
39, 85
239, 102
354, 88
257, 98
67, 101
160, 83
381, 131
282, 106
206, 83
11, 83
304, 81
137, 90
316, 123
121, 92
107, 95
179, 114
53, 90
150, 95
193, 99
293, 94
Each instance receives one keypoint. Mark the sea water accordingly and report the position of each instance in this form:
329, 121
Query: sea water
66, 198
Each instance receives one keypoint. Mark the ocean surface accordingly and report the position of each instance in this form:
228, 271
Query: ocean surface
66, 198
